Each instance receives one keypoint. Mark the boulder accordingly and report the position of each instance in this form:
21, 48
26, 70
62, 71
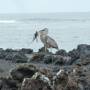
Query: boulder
19, 58
26, 51
62, 60
23, 71
84, 50
9, 56
8, 50
8, 84
34, 84
16, 57
57, 59
48, 59
66, 81
74, 54
3, 54
62, 53
37, 57
1, 49
60, 80
40, 76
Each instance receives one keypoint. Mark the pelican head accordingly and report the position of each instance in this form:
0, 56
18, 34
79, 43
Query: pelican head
40, 33
43, 31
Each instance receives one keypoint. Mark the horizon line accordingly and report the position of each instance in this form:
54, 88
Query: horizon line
45, 12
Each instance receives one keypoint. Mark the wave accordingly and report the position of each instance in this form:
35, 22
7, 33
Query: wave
42, 20
7, 21
56, 19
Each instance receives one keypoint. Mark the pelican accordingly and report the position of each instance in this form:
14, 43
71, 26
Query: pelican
45, 39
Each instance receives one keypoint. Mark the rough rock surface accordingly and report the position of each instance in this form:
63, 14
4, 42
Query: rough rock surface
16, 56
33, 84
8, 84
26, 51
68, 71
23, 71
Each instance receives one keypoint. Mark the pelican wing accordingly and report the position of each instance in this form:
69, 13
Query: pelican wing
51, 42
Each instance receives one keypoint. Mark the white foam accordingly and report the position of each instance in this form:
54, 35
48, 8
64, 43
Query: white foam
7, 21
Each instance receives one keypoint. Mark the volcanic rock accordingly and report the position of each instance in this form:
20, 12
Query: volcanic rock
23, 71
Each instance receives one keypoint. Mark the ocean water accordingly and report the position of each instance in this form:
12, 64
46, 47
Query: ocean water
68, 29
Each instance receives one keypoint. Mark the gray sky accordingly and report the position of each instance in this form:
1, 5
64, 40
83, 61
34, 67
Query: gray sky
44, 6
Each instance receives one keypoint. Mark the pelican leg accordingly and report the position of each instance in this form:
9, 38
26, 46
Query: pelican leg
52, 56
45, 49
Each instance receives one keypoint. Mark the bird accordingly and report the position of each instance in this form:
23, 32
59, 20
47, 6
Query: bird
45, 39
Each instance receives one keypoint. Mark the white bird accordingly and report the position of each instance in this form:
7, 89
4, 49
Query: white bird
45, 39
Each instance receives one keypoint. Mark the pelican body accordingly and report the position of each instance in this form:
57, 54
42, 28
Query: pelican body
45, 39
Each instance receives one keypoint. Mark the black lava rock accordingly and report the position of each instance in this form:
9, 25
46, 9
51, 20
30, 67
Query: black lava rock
22, 72
61, 52
26, 51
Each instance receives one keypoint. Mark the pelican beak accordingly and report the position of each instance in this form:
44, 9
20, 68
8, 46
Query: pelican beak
35, 36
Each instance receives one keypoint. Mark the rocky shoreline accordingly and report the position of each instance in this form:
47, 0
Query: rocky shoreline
27, 70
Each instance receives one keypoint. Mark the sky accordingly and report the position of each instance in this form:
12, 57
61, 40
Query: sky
44, 6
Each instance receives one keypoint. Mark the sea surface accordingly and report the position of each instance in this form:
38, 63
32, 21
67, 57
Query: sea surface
68, 29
